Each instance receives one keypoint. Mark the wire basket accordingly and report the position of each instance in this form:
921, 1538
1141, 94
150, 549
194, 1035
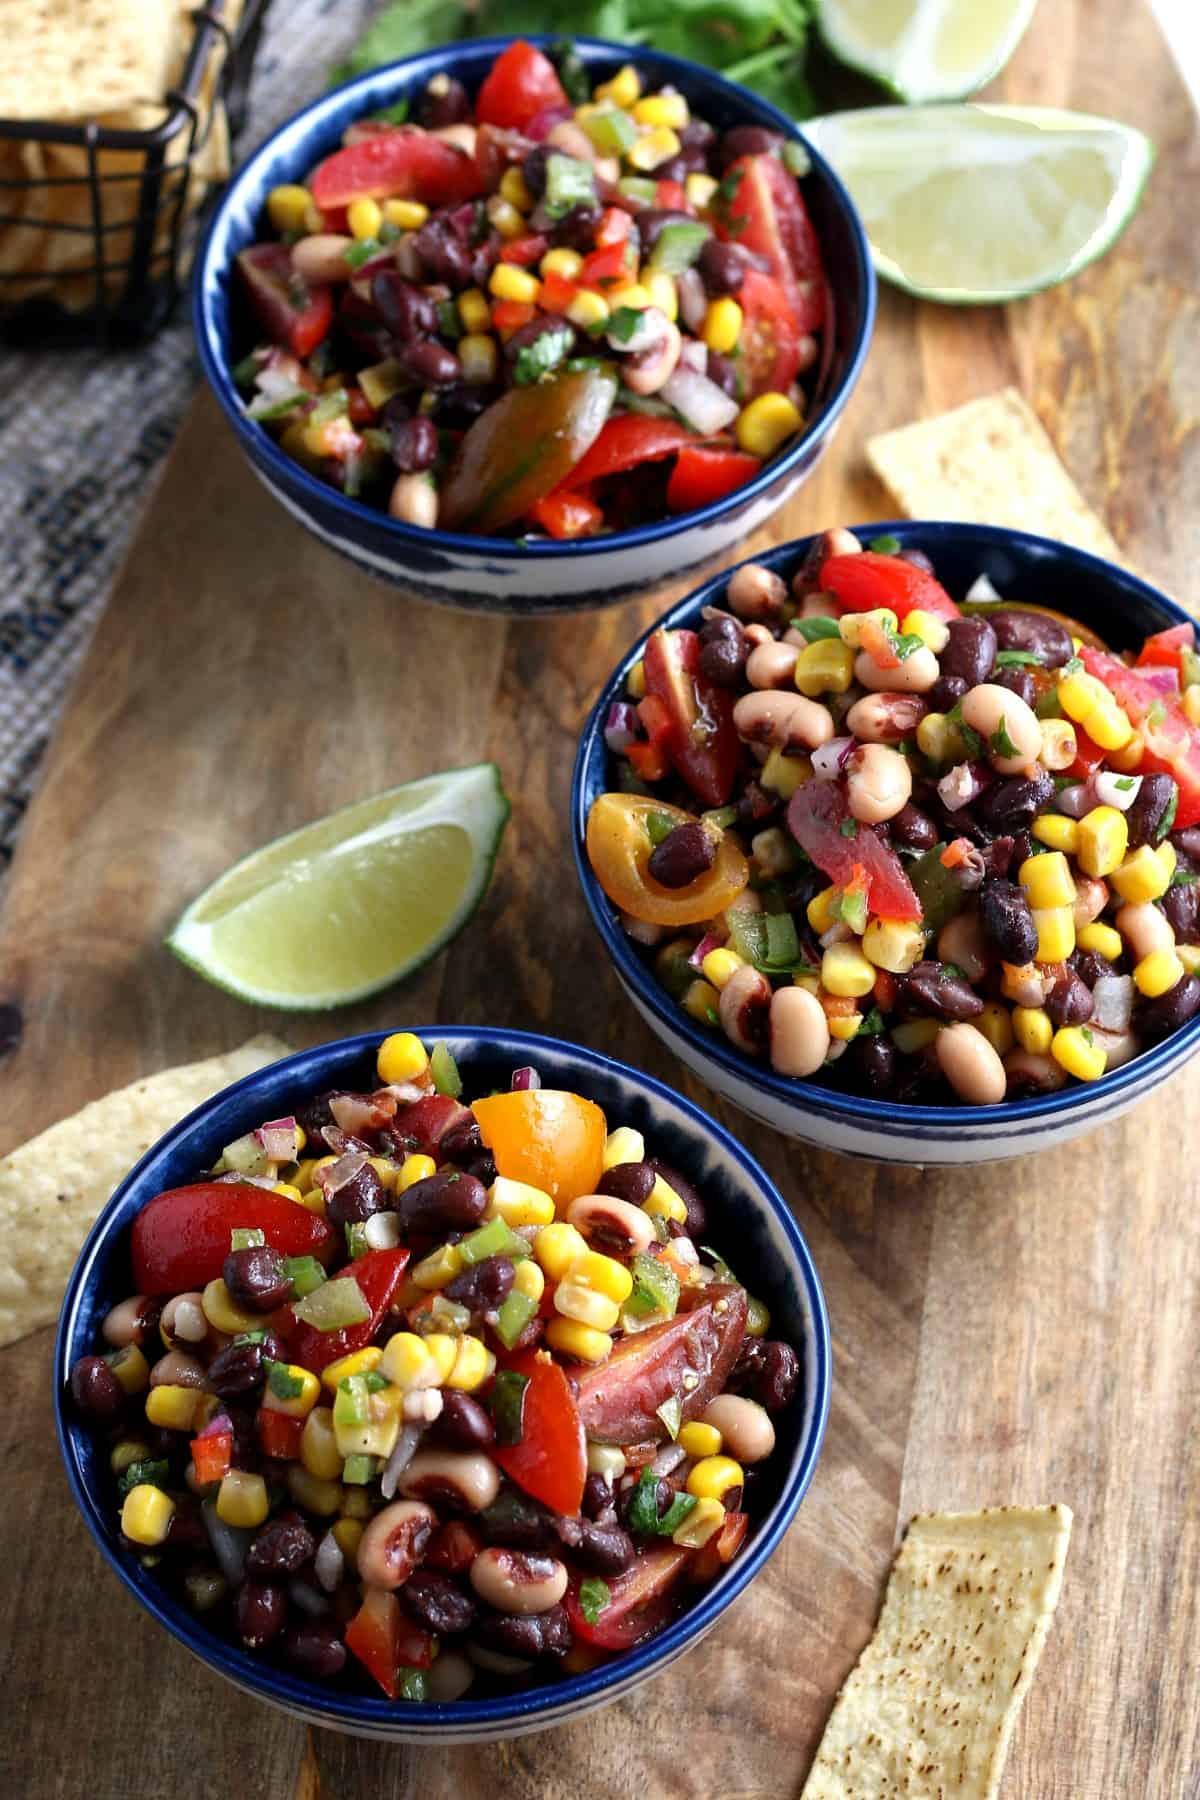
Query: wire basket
102, 250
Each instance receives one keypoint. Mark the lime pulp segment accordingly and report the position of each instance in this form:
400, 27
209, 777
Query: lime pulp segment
925, 49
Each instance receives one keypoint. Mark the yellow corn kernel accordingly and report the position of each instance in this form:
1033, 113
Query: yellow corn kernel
590, 308
564, 262
479, 359
507, 221
766, 424
634, 293
519, 1203
313, 1201
476, 316
364, 218
131, 1369
303, 1176
413, 1169
402, 1056
825, 667
722, 325
1126, 761
387, 1171
444, 1350
938, 739
314, 218
347, 1535
172, 1406
698, 1439
662, 291
1167, 856
528, 1279
914, 1035
377, 1437
604, 1275
1058, 831
1108, 726
1060, 746
624, 1145
438, 1268
287, 206
359, 1362
1141, 876
662, 109
893, 944
719, 965
574, 1301
1189, 954
1102, 842
700, 190
222, 1312
844, 1026
1190, 705
1056, 933
758, 1318
1047, 880
408, 1363
850, 625
664, 1202
295, 1406
128, 1451
624, 89
316, 1496
409, 215
318, 1446
508, 282
655, 146
579, 1341
514, 189
1101, 938
1080, 694
1158, 973
1075, 1049
701, 1000
703, 1522
1032, 1028
714, 1476
995, 1022
289, 1192
146, 1514
933, 632
784, 774
846, 972
557, 1247
473, 1365
635, 681
242, 1499
819, 911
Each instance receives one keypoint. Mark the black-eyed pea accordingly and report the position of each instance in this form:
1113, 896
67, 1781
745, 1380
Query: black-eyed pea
783, 721
1011, 730
414, 501
885, 718
465, 1481
771, 665
176, 1369
747, 1433
1059, 744
755, 592
962, 941
1091, 898
799, 1032
1029, 1072
462, 136
612, 1221
131, 1321
916, 674
744, 1008
394, 1542
878, 783
971, 1065
321, 258
516, 1581
1144, 928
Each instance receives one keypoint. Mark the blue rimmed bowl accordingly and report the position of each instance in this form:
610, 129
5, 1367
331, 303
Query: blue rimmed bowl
746, 1213
498, 574
1123, 610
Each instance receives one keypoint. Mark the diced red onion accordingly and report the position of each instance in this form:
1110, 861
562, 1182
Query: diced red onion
1119, 1047
262, 1181
693, 301
694, 355
642, 931
1112, 1002
337, 1174
1116, 790
526, 1080
839, 933
406, 1448
405, 1092
960, 786
329, 1563
982, 589
1160, 676
543, 123
684, 1251
828, 760
279, 380
229, 1543
699, 402
308, 1598
279, 1139
1074, 802
382, 1231
668, 1459
357, 1113
621, 726
707, 943
216, 1425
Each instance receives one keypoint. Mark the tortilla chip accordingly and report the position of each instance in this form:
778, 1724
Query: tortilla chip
988, 463
929, 1709
52, 1188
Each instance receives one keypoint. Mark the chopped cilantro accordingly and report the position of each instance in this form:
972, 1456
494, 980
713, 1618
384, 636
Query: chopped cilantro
849, 828
872, 1025
1124, 783
972, 739
544, 354
713, 1017
1168, 819
1184, 878
1002, 744
623, 324
282, 1383
675, 1514
951, 971
887, 545
594, 1596
1088, 1039
1017, 659
814, 629
149, 1474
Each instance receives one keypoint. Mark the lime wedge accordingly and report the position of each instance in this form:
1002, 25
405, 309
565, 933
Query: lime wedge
977, 204
349, 904
925, 49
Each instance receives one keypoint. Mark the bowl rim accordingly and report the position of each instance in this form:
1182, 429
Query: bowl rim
934, 1122
354, 512
351, 1711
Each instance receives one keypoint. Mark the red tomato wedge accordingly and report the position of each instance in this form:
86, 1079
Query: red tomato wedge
619, 1401
816, 813
702, 475
769, 345
566, 515
289, 311
639, 1602
765, 213
1172, 741
624, 443
521, 83
181, 1239
869, 580
702, 742
610, 264
424, 1122
404, 163
385, 1641
1163, 647
550, 1462
378, 1274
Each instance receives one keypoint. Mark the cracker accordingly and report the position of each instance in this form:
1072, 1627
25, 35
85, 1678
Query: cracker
928, 1711
52, 1188
74, 59
988, 463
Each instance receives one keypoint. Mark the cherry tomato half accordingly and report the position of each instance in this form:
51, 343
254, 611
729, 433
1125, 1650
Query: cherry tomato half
550, 1462
619, 1401
289, 311
764, 212
1172, 741
619, 847
404, 163
816, 814
551, 1139
639, 1602
520, 84
869, 579
702, 741
181, 1238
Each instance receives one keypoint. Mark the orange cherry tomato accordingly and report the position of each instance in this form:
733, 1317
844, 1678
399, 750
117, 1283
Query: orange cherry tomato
551, 1139
619, 847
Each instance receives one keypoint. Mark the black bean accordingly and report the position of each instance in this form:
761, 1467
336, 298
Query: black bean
683, 855
444, 102
185, 1532
1187, 842
697, 1215
755, 805
238, 1369
282, 1547
256, 1278
461, 1143
661, 1492
463, 1424
722, 267
576, 230
357, 1199
946, 693
874, 1063
261, 1610
483, 1168
998, 857
697, 134
1012, 805
746, 140
484, 1287
517, 1523
1033, 632
722, 662
525, 1634
437, 1604
95, 1390
748, 1367
945, 996
1019, 682
1090, 966
970, 651
1007, 921
723, 371
432, 364
1145, 816
414, 444
777, 1380
315, 1647
533, 168
1182, 907
443, 252
409, 314
597, 1502
441, 1203
600, 1549
913, 829
1155, 1019
1069, 1001
631, 1181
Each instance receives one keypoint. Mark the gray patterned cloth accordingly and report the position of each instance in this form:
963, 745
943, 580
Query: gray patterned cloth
82, 433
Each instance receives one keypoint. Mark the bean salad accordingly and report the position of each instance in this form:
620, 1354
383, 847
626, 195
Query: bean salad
445, 1396
543, 309
925, 850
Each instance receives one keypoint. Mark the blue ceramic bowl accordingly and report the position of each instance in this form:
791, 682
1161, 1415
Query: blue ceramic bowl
747, 1214
497, 574
1123, 610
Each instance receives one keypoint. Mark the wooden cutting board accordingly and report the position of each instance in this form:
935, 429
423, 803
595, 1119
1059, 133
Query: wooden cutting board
1024, 1333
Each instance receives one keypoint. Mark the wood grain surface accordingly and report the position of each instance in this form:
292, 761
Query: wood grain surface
1026, 1333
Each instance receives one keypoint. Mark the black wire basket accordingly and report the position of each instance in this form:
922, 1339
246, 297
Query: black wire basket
111, 271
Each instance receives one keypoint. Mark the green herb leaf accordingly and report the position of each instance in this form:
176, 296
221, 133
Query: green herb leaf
1184, 878
1017, 659
148, 1474
1072, 666
1168, 819
543, 355
623, 324
951, 971
1002, 744
361, 252
872, 1025
594, 1596
508, 1406
887, 545
282, 1383
813, 630
849, 828
713, 1017
1124, 783
643, 1509
1086, 1035
675, 1514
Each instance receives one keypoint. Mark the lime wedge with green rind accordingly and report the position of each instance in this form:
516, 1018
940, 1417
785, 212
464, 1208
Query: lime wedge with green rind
353, 902
925, 49
974, 205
